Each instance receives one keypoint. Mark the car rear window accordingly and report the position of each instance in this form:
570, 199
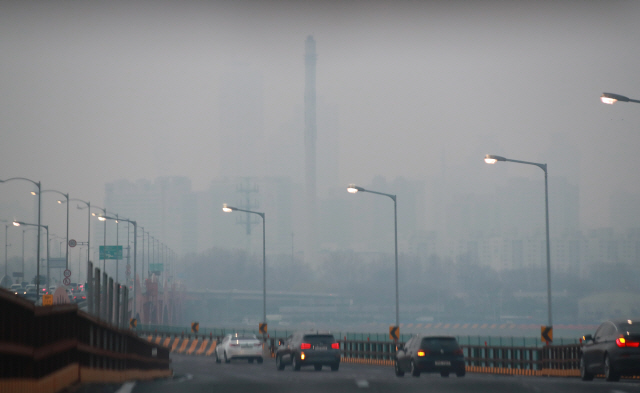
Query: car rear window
438, 343
244, 337
319, 339
631, 329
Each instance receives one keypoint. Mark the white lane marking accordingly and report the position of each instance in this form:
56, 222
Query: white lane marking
187, 377
618, 391
362, 383
127, 387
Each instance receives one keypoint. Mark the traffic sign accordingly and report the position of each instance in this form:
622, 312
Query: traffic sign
73, 243
47, 300
66, 281
394, 333
133, 323
67, 273
262, 327
195, 326
546, 334
110, 252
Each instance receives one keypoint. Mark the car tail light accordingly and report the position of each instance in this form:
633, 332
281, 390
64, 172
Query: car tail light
257, 344
335, 346
421, 353
622, 342
458, 352
234, 345
302, 356
305, 346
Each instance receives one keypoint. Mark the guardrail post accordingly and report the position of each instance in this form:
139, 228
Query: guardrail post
88, 288
103, 297
117, 304
109, 296
125, 306
96, 294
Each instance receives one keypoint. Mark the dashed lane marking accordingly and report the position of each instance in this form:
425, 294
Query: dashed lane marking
362, 383
127, 387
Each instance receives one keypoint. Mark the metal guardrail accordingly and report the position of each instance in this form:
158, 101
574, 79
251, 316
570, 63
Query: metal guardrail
36, 341
503, 356
560, 357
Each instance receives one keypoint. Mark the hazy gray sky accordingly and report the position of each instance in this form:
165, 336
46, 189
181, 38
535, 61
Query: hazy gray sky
95, 91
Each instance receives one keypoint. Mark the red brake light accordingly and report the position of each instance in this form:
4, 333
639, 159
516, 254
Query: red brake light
335, 346
622, 342
458, 352
305, 346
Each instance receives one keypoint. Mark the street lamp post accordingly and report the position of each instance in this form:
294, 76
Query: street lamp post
17, 224
354, 189
39, 185
67, 238
228, 209
88, 204
135, 252
612, 98
492, 159
6, 245
104, 241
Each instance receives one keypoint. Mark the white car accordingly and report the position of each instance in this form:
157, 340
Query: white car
17, 289
239, 346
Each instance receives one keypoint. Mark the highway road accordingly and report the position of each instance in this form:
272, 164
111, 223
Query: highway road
199, 374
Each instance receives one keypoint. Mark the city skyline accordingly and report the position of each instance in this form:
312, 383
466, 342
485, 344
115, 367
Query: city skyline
408, 97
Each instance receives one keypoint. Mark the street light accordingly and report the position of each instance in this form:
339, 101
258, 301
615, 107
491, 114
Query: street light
88, 227
492, 159
60, 202
6, 246
17, 224
611, 98
39, 203
104, 260
229, 209
135, 252
352, 188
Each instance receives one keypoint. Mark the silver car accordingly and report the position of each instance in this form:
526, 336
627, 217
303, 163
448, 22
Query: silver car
239, 346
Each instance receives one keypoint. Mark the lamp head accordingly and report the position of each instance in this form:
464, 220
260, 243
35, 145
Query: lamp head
611, 98
352, 188
226, 209
102, 218
34, 193
492, 159
16, 223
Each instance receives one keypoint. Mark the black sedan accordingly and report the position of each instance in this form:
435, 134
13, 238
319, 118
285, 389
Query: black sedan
430, 354
309, 349
614, 350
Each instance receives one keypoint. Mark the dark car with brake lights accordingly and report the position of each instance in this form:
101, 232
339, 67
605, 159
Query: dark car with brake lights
315, 349
430, 354
613, 351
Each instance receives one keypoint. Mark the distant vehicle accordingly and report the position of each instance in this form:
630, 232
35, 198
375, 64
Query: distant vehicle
613, 350
239, 346
430, 354
17, 289
309, 349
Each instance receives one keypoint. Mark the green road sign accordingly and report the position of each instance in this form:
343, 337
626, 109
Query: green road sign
156, 267
112, 252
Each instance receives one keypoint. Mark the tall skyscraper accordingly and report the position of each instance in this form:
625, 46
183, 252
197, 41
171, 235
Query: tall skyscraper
310, 148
